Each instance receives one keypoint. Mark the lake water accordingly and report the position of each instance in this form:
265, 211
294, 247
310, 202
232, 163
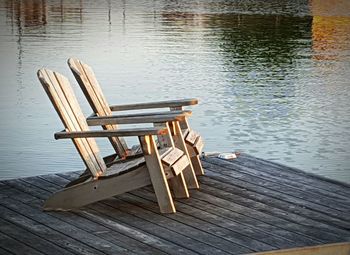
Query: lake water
273, 77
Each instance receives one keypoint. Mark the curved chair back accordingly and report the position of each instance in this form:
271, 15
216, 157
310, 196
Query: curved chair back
93, 93
63, 99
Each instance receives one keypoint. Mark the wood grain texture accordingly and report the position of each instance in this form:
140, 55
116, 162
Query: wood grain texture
197, 165
103, 116
95, 190
188, 172
326, 249
106, 120
187, 113
172, 156
180, 165
63, 99
159, 104
191, 137
111, 133
91, 188
93, 93
157, 175
198, 145
238, 210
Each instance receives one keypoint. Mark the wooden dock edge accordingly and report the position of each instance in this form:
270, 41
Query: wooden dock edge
325, 249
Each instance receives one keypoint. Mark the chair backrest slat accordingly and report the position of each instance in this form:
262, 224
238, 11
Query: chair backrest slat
64, 101
92, 90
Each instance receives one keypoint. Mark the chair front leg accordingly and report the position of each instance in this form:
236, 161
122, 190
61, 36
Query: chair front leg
178, 183
157, 174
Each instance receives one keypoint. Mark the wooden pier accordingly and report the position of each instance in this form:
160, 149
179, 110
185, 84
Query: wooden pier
243, 206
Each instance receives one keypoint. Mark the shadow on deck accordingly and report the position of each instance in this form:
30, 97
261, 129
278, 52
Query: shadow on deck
245, 205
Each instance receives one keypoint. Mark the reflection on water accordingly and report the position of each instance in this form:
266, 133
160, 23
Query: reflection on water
272, 76
330, 37
27, 13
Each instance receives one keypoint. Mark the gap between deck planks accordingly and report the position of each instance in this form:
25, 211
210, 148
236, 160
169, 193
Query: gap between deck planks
277, 182
244, 205
234, 191
174, 236
278, 191
81, 226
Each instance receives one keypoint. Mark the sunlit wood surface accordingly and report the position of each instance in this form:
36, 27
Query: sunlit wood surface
245, 205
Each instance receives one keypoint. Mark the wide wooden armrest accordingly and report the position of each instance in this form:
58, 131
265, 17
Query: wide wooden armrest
112, 133
144, 114
110, 120
159, 104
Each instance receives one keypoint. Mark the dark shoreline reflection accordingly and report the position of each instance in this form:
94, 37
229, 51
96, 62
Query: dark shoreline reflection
28, 13
34, 13
260, 63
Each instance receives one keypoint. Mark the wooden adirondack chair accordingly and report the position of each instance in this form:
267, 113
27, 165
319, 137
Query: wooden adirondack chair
193, 142
109, 177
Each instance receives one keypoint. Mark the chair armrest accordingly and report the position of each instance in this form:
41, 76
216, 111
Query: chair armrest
112, 133
159, 104
110, 120
143, 114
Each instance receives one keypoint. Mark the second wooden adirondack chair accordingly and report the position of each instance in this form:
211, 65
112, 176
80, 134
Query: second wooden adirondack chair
108, 177
189, 141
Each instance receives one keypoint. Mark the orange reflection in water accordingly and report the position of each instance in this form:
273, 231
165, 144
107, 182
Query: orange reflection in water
32, 13
330, 29
29, 13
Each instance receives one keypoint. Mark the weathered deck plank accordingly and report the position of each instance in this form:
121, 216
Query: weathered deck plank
263, 231
243, 206
99, 245
275, 174
31, 240
77, 220
259, 211
5, 252
290, 173
287, 186
193, 223
162, 224
33, 186
15, 246
320, 212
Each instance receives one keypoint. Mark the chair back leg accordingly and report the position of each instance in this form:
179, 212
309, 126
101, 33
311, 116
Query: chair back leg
193, 153
188, 172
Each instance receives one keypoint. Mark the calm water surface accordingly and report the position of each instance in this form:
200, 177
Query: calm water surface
273, 77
